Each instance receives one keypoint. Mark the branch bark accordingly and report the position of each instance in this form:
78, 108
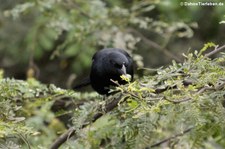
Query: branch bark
71, 132
170, 138
59, 141
216, 50
178, 101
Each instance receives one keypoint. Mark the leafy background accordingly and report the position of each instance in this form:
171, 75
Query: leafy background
41, 38
47, 45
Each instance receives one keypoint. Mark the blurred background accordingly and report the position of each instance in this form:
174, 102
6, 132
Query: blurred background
54, 40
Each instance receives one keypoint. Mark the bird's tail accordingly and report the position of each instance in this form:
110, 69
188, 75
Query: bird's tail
85, 82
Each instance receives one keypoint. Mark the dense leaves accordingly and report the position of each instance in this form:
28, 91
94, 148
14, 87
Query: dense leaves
67, 33
181, 107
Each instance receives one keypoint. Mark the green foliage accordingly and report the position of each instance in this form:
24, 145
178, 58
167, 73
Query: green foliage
179, 107
222, 22
75, 30
26, 116
195, 112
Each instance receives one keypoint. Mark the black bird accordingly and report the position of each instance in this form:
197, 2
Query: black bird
108, 64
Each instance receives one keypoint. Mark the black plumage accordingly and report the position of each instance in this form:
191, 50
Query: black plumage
109, 64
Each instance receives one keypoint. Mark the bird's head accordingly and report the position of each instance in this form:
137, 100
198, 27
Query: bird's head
118, 63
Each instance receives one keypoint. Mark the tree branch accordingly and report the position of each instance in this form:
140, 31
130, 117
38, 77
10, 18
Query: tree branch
154, 45
59, 141
110, 106
216, 50
178, 101
70, 132
170, 138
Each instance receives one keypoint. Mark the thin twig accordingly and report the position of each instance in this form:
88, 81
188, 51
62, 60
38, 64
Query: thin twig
170, 138
203, 89
126, 92
75, 5
219, 86
154, 45
161, 90
25, 140
178, 101
216, 50
61, 139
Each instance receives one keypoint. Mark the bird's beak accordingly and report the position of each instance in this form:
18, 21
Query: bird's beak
124, 70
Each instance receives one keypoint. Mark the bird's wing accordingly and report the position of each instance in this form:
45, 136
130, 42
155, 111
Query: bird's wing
85, 82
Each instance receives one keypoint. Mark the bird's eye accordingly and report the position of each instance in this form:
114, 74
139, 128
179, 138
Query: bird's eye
117, 65
125, 64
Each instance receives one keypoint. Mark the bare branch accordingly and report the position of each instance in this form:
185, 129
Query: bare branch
216, 50
170, 138
203, 89
178, 101
59, 141
218, 86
